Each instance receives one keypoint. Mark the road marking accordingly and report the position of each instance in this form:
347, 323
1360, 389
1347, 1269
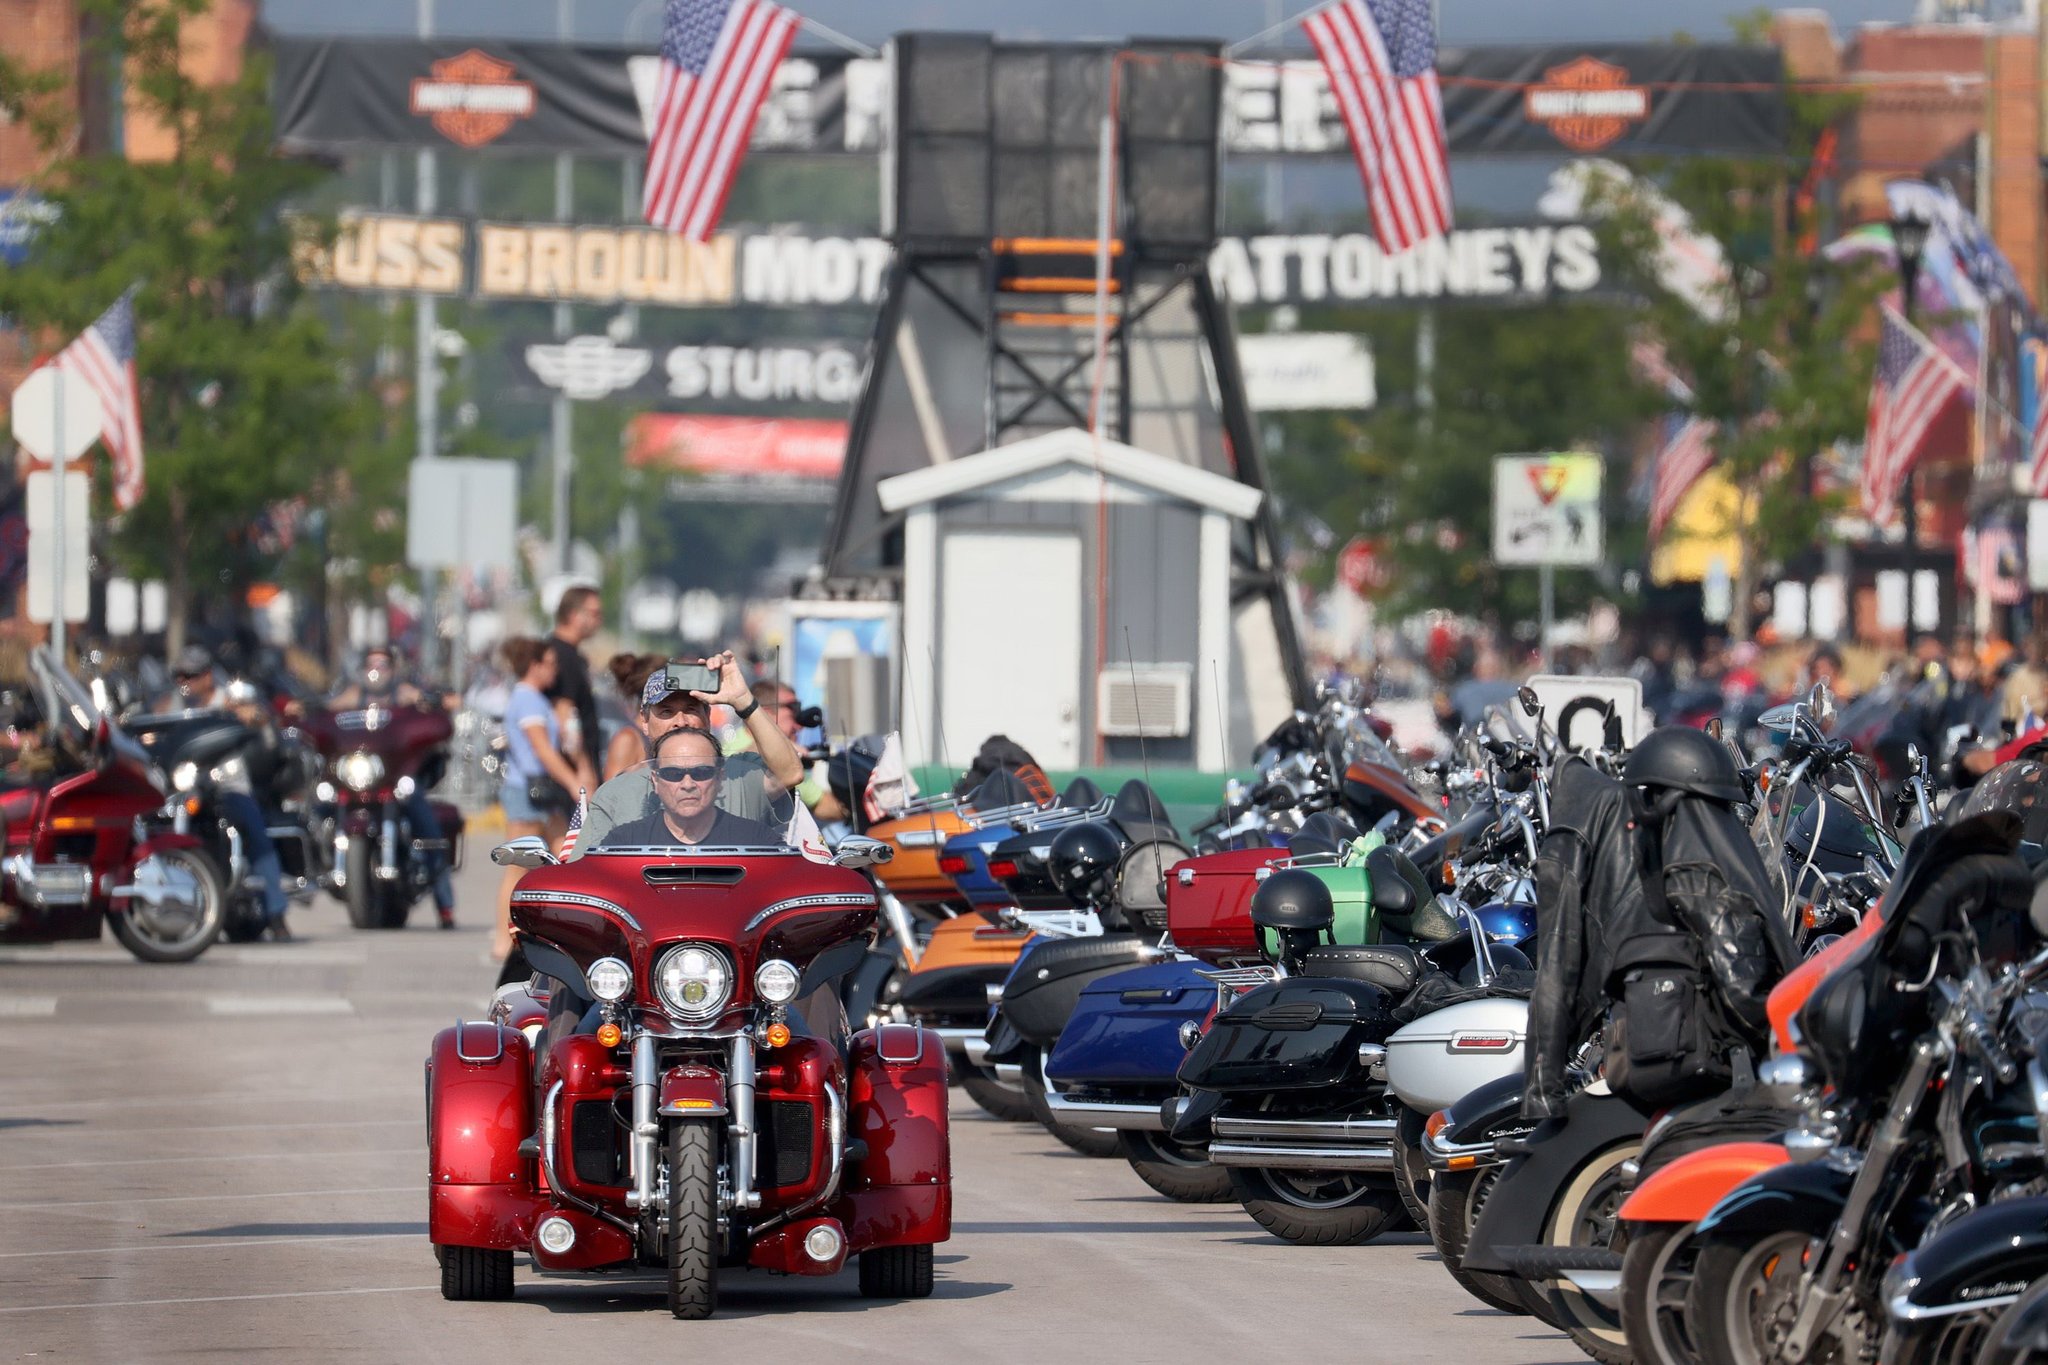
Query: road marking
225, 1156
207, 1099
61, 957
278, 1004
204, 1245
221, 1198
224, 1298
272, 955
27, 1006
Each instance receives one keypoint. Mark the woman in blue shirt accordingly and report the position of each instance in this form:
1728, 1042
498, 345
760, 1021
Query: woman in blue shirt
533, 750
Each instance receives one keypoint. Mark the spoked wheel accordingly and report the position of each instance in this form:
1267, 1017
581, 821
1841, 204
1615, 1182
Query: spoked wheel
1656, 1280
1180, 1172
1456, 1200
1086, 1141
2019, 1335
1585, 1216
1411, 1168
188, 913
692, 1154
1317, 1208
1746, 1294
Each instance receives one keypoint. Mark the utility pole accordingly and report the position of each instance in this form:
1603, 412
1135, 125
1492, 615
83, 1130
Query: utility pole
427, 387
561, 416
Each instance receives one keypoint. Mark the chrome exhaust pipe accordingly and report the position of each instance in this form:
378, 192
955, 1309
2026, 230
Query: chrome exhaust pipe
1322, 1132
1072, 1113
1288, 1158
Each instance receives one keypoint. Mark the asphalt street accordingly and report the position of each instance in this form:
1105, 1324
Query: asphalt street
227, 1159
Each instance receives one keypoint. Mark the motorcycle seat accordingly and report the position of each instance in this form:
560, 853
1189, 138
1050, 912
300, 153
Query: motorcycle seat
1393, 967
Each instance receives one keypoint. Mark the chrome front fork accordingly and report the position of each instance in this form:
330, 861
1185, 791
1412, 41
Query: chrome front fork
739, 1098
641, 1158
387, 845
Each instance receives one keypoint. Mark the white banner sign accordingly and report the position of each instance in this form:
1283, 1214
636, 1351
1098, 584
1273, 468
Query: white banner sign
1546, 509
1296, 371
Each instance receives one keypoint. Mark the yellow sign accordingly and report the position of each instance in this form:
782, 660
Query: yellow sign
1701, 531
602, 265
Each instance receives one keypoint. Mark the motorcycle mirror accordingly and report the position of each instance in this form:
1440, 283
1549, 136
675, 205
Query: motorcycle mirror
528, 851
857, 850
811, 718
1532, 705
1715, 727
1820, 705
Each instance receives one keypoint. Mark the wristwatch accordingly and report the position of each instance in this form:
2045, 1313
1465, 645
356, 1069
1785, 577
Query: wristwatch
746, 712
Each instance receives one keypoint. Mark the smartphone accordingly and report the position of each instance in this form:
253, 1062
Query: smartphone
693, 678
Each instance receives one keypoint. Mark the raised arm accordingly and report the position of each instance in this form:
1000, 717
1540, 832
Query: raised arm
784, 760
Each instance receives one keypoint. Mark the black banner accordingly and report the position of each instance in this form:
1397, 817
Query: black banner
1616, 99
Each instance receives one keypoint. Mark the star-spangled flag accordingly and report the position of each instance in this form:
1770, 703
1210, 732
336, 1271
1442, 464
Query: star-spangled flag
1380, 56
104, 357
717, 59
1687, 454
569, 836
1914, 384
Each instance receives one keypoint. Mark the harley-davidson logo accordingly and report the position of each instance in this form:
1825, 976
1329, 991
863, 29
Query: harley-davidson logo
1586, 103
472, 99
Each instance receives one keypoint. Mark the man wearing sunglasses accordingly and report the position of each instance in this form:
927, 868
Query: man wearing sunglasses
748, 781
688, 770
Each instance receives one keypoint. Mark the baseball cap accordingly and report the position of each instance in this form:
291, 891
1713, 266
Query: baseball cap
192, 661
664, 682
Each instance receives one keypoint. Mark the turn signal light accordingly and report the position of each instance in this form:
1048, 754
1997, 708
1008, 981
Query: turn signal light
778, 1035
1450, 877
608, 1035
191, 805
1462, 1163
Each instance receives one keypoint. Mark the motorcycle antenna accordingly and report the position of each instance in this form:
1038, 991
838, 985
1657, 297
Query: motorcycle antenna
1138, 710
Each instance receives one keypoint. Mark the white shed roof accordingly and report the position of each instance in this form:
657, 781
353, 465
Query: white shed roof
1071, 446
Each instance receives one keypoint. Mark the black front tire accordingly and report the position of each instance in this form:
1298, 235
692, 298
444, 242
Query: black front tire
1314, 1208
474, 1273
140, 933
896, 1273
1743, 1284
692, 1152
1455, 1199
1656, 1281
1585, 1216
1181, 1173
1411, 1168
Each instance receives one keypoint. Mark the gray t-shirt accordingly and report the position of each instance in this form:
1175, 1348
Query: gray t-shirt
630, 796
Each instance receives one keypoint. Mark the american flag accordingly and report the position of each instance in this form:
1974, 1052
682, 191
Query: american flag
2034, 384
569, 835
1381, 59
104, 357
1913, 386
1688, 453
717, 57
1992, 557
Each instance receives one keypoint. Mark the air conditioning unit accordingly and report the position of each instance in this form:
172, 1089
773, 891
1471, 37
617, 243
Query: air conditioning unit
1152, 700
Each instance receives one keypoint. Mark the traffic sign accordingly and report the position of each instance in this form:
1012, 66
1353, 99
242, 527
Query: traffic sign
1577, 706
1546, 510
1361, 568
56, 415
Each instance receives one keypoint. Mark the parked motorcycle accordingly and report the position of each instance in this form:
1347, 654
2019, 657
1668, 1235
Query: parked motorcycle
677, 1109
375, 759
77, 849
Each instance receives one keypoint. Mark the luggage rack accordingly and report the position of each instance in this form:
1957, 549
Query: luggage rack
1232, 982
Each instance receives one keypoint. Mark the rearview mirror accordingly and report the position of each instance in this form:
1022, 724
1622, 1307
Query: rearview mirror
528, 851
1532, 705
1714, 727
1820, 706
857, 850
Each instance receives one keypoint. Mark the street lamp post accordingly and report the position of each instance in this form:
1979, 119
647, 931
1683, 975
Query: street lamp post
1909, 241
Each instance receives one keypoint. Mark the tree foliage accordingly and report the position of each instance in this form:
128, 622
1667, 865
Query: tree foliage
243, 399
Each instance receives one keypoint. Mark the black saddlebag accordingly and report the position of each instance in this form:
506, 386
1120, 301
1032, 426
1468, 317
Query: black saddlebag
1300, 1033
1046, 986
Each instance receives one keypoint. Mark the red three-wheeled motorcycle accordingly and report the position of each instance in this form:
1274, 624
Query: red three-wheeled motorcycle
676, 1087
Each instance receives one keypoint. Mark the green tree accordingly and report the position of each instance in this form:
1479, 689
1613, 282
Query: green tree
1778, 350
243, 398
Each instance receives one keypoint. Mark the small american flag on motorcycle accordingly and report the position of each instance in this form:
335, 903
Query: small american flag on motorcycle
575, 822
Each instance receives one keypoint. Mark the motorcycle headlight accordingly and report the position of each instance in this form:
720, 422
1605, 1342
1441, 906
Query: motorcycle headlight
359, 771
694, 981
185, 776
775, 981
609, 979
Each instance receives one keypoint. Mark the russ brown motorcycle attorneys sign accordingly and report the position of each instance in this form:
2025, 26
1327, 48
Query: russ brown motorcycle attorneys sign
630, 264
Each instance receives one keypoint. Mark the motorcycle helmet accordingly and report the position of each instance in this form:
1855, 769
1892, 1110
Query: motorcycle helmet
1678, 758
1082, 860
1293, 911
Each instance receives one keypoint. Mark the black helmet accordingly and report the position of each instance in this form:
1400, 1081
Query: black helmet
1293, 898
1680, 758
1082, 859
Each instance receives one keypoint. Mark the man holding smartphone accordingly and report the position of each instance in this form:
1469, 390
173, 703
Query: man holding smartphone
680, 696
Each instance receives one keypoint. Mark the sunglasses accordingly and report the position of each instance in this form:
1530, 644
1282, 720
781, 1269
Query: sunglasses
702, 772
